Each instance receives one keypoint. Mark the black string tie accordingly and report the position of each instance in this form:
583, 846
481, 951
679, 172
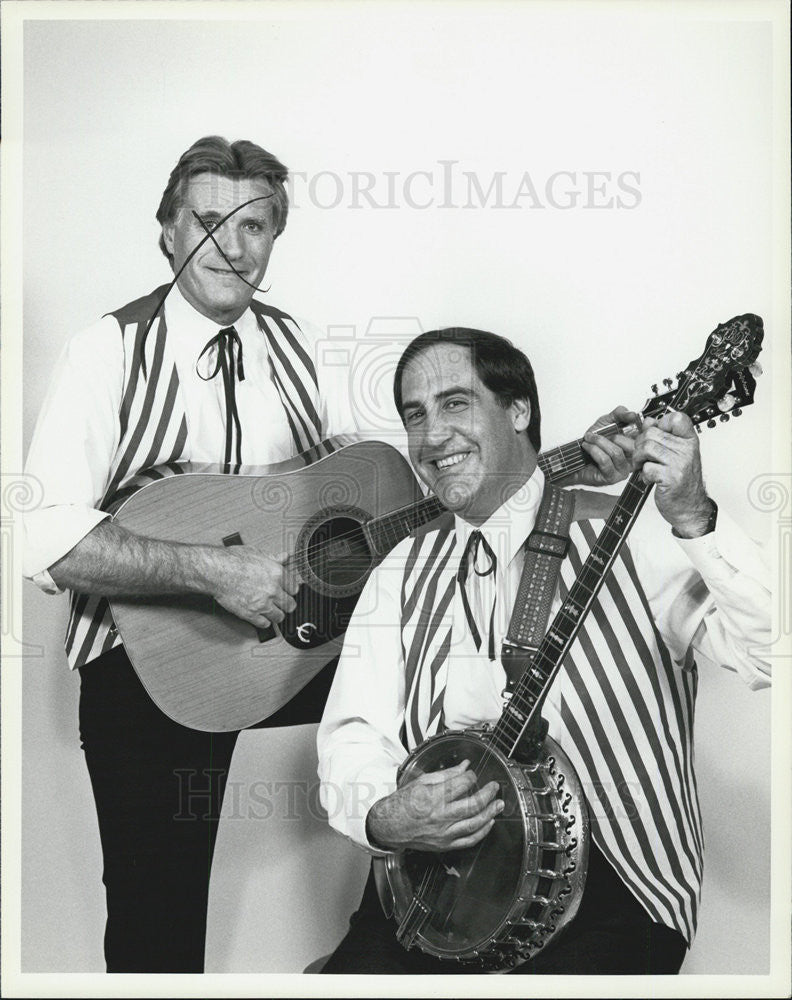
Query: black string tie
229, 361
470, 555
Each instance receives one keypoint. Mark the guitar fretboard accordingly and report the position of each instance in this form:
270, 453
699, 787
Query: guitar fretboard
388, 530
556, 463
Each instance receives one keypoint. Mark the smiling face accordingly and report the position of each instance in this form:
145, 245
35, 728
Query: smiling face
468, 449
208, 282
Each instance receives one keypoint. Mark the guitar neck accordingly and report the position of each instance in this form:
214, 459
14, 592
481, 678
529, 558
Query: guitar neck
532, 687
389, 529
557, 463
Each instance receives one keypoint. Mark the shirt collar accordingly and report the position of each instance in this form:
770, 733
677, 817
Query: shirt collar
508, 527
192, 330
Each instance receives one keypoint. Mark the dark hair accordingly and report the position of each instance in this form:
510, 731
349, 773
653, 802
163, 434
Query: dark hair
501, 366
215, 155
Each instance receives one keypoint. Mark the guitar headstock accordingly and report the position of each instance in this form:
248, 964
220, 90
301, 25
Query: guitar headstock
721, 381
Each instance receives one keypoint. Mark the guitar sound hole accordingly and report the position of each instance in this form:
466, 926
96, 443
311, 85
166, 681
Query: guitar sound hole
337, 552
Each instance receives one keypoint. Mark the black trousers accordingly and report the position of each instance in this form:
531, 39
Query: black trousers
611, 934
158, 788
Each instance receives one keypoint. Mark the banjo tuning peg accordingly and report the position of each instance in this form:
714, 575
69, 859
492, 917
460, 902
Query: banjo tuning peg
726, 402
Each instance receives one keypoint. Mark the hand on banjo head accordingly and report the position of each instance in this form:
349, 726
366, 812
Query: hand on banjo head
438, 811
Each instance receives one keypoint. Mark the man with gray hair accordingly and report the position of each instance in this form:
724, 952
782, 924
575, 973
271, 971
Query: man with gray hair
141, 388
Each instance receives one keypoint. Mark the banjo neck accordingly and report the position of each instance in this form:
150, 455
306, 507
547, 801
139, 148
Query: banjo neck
524, 706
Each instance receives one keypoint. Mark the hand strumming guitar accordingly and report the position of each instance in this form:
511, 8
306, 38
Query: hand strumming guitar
115, 562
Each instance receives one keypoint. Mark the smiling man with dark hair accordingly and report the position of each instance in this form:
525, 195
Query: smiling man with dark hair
430, 627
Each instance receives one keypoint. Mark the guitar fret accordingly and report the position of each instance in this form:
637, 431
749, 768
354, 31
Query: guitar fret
511, 736
579, 585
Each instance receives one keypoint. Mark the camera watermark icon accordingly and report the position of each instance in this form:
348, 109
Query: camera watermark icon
368, 358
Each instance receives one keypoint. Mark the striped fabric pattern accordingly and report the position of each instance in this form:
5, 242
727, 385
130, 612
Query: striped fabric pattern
153, 431
293, 374
620, 708
427, 592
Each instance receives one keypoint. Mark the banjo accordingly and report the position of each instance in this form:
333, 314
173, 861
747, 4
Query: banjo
499, 903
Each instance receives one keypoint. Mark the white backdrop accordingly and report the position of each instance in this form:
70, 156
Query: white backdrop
593, 182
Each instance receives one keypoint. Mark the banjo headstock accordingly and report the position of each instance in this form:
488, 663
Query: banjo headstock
721, 381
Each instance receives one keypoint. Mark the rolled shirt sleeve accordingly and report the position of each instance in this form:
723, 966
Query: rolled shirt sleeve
72, 448
358, 741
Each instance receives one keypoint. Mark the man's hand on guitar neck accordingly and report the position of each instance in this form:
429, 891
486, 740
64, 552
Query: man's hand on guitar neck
610, 454
439, 811
115, 562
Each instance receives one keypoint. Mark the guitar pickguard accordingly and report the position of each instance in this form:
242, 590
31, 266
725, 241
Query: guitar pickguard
317, 618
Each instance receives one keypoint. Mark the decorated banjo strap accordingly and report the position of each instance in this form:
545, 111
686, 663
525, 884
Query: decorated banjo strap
545, 550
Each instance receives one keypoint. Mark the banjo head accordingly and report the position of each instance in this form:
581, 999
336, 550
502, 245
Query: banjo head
484, 901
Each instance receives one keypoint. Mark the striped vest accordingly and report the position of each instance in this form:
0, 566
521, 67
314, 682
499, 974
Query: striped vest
619, 707
153, 431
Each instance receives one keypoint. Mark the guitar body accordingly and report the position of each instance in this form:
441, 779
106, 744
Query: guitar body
496, 904
201, 665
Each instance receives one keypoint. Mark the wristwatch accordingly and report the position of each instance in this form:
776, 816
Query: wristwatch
711, 522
